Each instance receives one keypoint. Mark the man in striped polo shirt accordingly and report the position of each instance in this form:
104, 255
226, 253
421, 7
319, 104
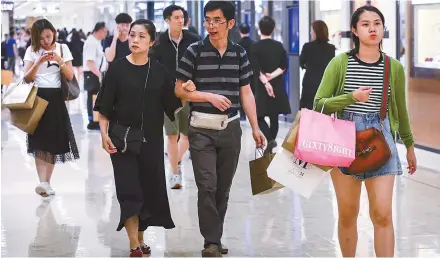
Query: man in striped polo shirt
214, 75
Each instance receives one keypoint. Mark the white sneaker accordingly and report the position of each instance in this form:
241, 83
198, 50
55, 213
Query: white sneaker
50, 191
42, 189
176, 181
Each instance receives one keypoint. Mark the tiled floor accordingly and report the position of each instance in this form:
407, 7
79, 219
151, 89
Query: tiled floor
82, 218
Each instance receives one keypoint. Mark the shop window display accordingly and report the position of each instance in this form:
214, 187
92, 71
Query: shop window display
427, 26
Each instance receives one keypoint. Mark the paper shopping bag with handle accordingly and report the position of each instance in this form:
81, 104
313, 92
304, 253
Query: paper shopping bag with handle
260, 182
290, 140
325, 140
20, 96
299, 176
27, 119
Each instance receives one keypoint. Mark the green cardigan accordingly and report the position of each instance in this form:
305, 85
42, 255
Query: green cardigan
332, 88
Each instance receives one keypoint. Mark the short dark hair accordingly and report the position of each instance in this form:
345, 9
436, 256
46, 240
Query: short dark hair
244, 28
227, 8
99, 26
123, 18
37, 28
267, 25
321, 30
185, 17
148, 25
168, 11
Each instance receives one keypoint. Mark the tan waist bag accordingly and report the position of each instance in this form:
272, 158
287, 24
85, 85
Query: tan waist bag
211, 121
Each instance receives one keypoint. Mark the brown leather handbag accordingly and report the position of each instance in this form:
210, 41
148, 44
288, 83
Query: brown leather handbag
372, 150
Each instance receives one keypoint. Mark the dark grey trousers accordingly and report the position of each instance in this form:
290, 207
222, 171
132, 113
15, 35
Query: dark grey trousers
214, 157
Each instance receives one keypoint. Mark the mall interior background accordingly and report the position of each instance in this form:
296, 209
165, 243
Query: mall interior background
413, 37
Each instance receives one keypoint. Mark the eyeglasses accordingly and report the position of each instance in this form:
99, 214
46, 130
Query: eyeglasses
214, 23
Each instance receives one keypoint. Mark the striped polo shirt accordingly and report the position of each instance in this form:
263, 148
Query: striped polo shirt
361, 74
215, 74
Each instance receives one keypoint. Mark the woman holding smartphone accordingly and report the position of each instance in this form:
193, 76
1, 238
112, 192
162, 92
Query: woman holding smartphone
135, 94
53, 140
352, 86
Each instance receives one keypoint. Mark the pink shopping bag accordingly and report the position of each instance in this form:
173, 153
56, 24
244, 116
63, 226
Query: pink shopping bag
325, 140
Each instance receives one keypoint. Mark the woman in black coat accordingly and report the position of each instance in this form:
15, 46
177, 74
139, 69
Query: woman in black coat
269, 58
315, 56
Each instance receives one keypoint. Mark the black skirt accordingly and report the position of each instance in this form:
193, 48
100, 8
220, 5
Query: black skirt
53, 140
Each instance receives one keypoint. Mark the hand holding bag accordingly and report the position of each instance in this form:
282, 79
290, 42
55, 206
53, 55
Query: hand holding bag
70, 89
372, 150
128, 138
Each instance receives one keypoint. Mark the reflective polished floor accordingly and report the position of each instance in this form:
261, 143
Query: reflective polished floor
81, 219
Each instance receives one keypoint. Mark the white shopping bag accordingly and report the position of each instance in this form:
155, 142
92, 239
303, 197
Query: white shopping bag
302, 177
20, 96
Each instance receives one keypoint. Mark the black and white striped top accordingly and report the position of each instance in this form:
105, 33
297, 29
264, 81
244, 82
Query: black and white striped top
215, 74
361, 74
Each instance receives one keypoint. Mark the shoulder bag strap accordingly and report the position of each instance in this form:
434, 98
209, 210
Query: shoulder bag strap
61, 49
383, 108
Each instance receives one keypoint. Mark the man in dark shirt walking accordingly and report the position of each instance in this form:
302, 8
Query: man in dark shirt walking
246, 42
220, 70
116, 46
168, 51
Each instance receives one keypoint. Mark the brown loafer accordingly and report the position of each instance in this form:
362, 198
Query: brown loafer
211, 251
223, 249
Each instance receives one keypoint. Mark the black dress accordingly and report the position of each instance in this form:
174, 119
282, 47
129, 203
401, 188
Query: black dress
267, 56
140, 179
314, 57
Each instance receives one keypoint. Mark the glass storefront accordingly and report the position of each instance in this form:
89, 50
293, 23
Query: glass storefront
424, 71
427, 35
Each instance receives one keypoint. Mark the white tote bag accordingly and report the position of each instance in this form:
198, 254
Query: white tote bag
302, 177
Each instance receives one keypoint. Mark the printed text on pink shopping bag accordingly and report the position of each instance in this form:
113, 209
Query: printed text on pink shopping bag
327, 147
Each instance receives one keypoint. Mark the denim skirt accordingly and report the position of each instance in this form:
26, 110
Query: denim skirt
365, 121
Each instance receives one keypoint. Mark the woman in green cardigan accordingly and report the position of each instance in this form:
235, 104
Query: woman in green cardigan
352, 87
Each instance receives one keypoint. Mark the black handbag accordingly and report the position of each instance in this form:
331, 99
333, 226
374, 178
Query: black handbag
128, 138
69, 89
91, 81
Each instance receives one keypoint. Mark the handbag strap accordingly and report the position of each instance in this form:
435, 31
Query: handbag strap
143, 95
383, 108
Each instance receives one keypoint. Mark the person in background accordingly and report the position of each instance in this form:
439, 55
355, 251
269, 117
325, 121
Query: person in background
24, 38
314, 58
12, 50
62, 37
168, 51
94, 66
76, 45
136, 92
53, 140
116, 46
352, 87
187, 24
246, 43
221, 71
270, 62
4, 51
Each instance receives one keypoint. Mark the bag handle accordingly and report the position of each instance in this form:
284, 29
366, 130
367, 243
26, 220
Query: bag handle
383, 108
259, 150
